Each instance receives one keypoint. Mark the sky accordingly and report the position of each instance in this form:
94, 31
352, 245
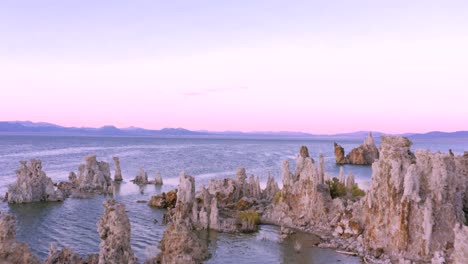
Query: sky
312, 66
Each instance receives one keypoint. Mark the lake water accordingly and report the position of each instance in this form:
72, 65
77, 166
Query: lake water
72, 223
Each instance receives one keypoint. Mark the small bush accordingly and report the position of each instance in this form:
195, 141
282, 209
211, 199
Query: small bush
278, 197
356, 192
337, 189
249, 216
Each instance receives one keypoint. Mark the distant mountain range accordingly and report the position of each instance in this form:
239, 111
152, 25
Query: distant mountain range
41, 128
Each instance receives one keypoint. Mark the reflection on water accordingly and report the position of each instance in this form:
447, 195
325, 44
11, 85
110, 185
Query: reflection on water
72, 223
266, 247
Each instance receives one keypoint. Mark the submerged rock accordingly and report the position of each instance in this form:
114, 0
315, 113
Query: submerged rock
114, 230
365, 154
118, 171
12, 251
32, 185
94, 176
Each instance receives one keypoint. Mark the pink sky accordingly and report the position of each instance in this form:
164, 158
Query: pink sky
404, 75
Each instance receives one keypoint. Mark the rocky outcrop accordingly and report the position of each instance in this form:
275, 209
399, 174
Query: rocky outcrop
32, 185
365, 154
460, 251
164, 200
94, 177
350, 180
181, 245
118, 171
305, 199
158, 179
114, 230
271, 188
415, 202
141, 178
340, 157
12, 251
66, 255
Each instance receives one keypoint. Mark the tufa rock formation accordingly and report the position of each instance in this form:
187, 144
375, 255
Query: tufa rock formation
141, 178
271, 188
12, 251
67, 255
365, 154
118, 171
164, 200
158, 179
460, 250
340, 154
94, 177
114, 230
180, 245
415, 203
305, 199
32, 185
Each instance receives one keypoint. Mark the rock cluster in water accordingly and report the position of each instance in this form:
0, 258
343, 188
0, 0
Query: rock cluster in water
416, 204
94, 176
365, 154
416, 208
113, 227
32, 185
142, 178
12, 251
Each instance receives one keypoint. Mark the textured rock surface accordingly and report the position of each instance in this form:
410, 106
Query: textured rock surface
365, 154
63, 256
304, 200
32, 185
94, 176
158, 179
11, 251
271, 188
164, 200
114, 230
340, 157
460, 252
141, 178
181, 245
414, 202
118, 171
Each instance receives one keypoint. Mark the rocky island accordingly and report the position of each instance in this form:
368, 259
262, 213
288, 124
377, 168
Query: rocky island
365, 154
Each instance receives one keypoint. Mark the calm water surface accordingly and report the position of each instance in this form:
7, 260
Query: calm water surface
72, 223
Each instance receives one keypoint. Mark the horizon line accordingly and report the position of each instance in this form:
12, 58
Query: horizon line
233, 131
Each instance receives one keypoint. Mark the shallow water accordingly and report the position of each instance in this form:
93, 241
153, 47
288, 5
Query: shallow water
72, 223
